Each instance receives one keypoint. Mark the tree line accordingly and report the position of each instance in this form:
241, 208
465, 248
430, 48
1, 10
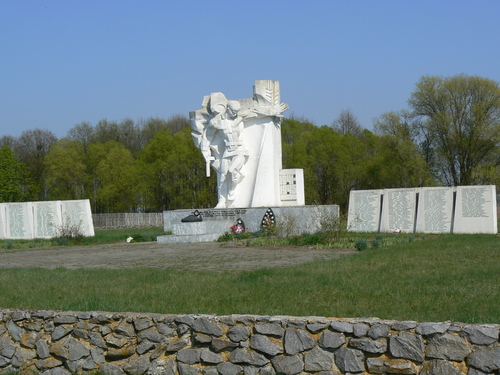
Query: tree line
450, 135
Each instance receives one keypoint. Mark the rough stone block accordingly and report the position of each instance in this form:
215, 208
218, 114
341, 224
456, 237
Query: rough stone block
449, 347
487, 360
203, 325
288, 364
341, 326
407, 346
297, 341
262, 344
238, 333
318, 360
482, 335
349, 360
369, 345
331, 340
269, 329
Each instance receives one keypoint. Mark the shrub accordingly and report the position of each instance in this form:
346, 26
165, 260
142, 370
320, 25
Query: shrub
361, 245
69, 232
332, 227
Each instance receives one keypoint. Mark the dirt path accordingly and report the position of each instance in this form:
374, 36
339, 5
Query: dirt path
206, 256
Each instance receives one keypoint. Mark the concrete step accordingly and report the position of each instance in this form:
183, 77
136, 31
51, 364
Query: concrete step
185, 238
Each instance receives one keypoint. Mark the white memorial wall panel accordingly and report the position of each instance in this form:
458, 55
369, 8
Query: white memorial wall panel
398, 210
462, 209
476, 210
47, 218
77, 214
364, 210
435, 210
28, 220
19, 223
3, 222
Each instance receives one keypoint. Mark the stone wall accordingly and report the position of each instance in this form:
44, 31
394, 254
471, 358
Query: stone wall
51, 342
128, 220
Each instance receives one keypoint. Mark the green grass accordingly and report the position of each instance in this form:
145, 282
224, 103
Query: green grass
448, 277
101, 236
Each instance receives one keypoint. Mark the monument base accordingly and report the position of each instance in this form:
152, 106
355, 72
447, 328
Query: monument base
216, 222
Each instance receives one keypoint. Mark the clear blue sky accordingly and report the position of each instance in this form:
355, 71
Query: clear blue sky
68, 61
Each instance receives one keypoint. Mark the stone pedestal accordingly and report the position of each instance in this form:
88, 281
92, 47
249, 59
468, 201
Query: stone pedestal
216, 222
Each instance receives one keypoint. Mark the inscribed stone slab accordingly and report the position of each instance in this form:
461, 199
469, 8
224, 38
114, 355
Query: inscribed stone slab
77, 213
476, 210
3, 222
435, 210
292, 187
364, 210
46, 219
398, 210
19, 223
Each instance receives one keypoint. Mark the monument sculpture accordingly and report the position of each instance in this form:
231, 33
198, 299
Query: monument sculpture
241, 141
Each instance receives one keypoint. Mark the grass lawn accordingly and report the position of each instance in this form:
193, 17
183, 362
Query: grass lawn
446, 277
101, 236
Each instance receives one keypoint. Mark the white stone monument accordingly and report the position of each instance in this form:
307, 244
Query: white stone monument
47, 219
364, 210
462, 209
77, 213
398, 210
241, 141
435, 210
18, 220
476, 210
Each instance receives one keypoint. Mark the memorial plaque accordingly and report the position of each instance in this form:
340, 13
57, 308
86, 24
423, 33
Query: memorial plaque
398, 210
27, 220
19, 221
364, 210
3, 221
46, 219
476, 210
77, 214
292, 187
435, 210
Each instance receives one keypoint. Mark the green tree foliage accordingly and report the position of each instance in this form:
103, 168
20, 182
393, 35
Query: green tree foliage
397, 160
117, 177
15, 181
461, 125
333, 163
65, 166
174, 173
31, 148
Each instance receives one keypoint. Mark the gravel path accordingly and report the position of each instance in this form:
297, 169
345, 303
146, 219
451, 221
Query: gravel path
199, 256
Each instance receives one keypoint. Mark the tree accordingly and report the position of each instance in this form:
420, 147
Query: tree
65, 167
461, 124
347, 123
118, 179
15, 182
83, 132
397, 161
31, 148
173, 172
8, 140
176, 123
